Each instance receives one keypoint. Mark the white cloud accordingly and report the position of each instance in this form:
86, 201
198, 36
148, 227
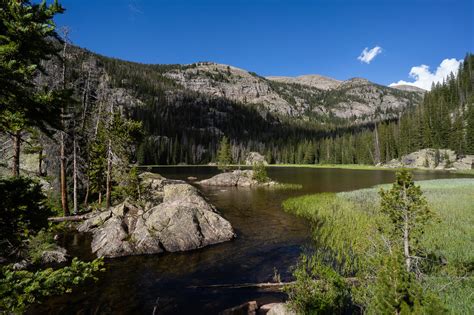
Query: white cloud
424, 77
367, 55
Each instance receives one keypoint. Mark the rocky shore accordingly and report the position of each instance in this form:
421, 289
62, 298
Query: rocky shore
440, 159
172, 216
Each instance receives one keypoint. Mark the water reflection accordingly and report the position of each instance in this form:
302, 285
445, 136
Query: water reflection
268, 239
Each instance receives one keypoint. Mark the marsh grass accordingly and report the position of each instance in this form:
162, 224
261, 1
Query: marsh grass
346, 223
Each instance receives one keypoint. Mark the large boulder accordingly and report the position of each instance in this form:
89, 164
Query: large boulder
254, 158
237, 178
175, 218
426, 158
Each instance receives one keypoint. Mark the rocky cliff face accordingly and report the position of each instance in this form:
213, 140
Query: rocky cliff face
305, 97
311, 80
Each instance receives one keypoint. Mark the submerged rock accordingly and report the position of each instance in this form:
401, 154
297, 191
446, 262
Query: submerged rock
175, 218
236, 178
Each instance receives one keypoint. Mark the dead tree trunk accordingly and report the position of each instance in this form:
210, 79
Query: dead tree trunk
377, 145
406, 233
109, 177
64, 201
40, 162
74, 176
16, 139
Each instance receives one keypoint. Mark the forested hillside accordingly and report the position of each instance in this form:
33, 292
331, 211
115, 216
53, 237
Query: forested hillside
184, 122
444, 120
186, 109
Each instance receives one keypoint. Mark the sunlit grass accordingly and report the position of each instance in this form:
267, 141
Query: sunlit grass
349, 219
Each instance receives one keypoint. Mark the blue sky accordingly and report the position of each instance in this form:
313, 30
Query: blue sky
276, 37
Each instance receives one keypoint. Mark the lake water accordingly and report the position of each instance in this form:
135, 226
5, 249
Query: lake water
268, 240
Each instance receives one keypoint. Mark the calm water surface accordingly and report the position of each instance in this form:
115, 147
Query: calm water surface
268, 239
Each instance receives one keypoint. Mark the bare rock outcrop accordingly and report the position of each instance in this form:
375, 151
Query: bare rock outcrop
434, 159
175, 218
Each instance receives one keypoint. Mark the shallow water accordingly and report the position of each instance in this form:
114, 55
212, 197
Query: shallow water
268, 239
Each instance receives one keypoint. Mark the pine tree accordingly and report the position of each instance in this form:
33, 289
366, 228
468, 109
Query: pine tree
224, 157
408, 211
470, 127
27, 31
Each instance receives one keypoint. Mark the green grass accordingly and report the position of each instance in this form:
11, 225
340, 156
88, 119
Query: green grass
346, 222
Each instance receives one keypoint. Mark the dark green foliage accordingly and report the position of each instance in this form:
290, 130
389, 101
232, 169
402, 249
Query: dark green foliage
27, 30
23, 211
19, 289
260, 172
318, 289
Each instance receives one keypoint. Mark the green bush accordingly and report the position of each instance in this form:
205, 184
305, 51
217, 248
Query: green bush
318, 289
18, 289
23, 211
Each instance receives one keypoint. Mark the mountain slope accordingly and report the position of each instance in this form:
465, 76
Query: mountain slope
311, 97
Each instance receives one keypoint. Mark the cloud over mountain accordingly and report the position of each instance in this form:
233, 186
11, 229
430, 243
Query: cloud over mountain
424, 78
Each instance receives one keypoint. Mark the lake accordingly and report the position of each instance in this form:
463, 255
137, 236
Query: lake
268, 241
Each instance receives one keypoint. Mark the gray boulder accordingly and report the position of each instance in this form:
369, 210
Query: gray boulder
426, 158
236, 178
175, 218
276, 309
255, 157
57, 255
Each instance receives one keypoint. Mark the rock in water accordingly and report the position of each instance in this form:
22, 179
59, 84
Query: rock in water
176, 218
236, 178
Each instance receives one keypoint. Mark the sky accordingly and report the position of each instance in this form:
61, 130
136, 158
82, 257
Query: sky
386, 41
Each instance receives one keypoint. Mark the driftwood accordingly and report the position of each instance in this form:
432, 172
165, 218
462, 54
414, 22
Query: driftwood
268, 286
71, 218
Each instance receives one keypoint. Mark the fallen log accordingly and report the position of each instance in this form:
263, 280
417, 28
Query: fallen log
71, 218
271, 286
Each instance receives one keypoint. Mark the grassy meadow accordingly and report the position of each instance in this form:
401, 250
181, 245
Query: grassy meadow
347, 224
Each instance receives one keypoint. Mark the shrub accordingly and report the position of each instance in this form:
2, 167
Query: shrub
18, 289
318, 289
260, 172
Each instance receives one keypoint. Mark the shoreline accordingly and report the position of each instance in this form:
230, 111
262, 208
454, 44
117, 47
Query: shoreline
326, 166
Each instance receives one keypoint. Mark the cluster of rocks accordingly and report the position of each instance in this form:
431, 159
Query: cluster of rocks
434, 159
237, 178
173, 217
252, 308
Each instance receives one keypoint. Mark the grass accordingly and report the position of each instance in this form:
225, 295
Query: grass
452, 237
